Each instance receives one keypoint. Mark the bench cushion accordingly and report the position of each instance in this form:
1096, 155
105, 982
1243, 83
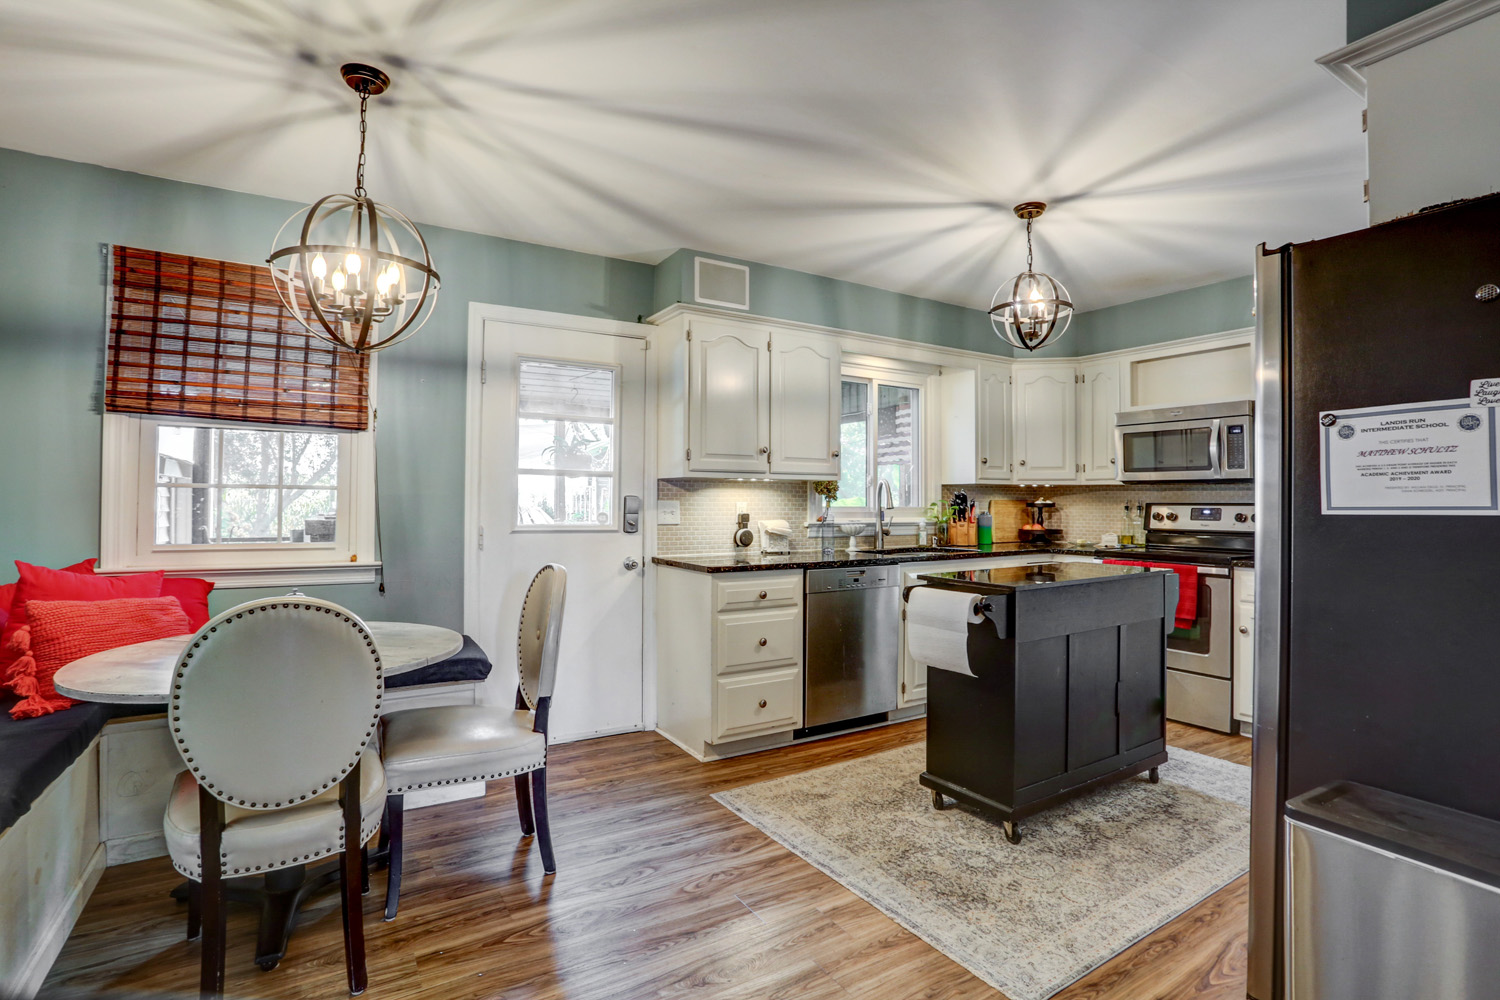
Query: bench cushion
34, 752
468, 664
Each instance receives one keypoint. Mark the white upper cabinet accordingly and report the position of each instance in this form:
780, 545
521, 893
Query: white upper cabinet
1046, 445
729, 397
995, 424
805, 404
1098, 402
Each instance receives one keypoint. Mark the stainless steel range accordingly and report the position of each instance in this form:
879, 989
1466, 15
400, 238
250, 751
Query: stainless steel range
1200, 664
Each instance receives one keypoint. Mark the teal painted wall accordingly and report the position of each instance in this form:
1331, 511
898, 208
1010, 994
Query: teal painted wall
1365, 17
55, 214
1193, 312
809, 298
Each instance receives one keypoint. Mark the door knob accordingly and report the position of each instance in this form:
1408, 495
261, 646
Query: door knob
632, 563
1244, 630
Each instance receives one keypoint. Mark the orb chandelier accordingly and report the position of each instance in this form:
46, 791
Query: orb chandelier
359, 274
1032, 309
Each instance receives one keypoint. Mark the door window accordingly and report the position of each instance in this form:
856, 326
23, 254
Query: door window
566, 420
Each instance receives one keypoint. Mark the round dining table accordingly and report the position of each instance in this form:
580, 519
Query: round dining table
142, 674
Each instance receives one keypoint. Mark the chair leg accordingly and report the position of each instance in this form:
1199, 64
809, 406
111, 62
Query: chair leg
349, 884
195, 909
364, 870
211, 887
523, 804
539, 810
396, 819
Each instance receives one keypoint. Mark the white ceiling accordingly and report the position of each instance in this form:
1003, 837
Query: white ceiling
877, 141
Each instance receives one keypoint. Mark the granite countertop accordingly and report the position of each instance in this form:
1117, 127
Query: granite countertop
741, 562
1009, 579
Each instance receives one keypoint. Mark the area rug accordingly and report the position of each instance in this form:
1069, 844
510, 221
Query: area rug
1089, 878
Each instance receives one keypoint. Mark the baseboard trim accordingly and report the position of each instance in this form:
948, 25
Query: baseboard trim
49, 944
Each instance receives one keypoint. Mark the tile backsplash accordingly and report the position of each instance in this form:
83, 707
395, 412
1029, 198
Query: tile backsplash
708, 512
1086, 512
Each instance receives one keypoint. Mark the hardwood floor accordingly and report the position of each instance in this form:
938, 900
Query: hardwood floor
660, 892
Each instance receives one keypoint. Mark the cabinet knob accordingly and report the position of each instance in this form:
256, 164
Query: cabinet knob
1111, 461
984, 461
763, 703
835, 454
762, 595
1023, 461
1244, 630
764, 450
762, 641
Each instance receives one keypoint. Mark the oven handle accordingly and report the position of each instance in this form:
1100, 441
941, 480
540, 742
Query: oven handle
1213, 448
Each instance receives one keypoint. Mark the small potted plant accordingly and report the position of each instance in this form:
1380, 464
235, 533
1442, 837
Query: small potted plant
828, 489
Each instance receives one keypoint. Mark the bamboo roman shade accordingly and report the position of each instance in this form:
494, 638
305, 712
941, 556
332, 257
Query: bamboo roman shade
194, 337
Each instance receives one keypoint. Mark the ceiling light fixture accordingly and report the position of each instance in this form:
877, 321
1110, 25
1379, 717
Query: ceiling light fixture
1032, 309
359, 275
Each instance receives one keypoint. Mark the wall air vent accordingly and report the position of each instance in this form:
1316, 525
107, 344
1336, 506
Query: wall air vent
720, 283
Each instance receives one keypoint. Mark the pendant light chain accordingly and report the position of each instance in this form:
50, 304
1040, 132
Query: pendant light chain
1028, 223
359, 172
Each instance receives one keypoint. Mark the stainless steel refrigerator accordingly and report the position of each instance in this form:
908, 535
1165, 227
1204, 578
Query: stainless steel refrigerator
1378, 618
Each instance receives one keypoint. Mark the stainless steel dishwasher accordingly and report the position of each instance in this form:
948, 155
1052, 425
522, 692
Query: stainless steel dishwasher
853, 644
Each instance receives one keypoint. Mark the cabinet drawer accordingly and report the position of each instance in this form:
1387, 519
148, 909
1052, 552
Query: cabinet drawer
766, 701
750, 640
758, 590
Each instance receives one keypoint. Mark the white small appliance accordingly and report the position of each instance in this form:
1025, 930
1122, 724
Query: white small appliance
775, 537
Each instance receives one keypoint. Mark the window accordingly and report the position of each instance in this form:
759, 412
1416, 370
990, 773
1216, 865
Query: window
235, 444
565, 444
880, 439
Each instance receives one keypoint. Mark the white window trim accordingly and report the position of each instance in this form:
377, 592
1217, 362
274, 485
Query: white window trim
923, 378
127, 507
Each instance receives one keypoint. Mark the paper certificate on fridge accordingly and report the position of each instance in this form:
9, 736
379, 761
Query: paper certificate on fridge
1413, 458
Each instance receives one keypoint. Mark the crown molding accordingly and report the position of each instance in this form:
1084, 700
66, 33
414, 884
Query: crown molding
1348, 64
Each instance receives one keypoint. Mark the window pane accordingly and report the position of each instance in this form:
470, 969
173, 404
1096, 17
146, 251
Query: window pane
251, 457
184, 455
566, 390
896, 444
247, 515
579, 501
854, 446
308, 515
183, 515
566, 444
310, 459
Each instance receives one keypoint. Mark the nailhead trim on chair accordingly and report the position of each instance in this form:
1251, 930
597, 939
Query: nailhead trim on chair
402, 789
182, 665
366, 831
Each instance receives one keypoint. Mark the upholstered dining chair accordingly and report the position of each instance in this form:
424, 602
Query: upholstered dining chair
274, 710
452, 744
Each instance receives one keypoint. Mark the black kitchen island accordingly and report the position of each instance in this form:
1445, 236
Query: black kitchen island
1068, 686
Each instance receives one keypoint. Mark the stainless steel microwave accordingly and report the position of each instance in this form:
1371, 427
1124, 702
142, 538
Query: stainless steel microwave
1202, 441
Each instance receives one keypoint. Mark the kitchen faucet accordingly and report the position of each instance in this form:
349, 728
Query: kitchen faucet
881, 528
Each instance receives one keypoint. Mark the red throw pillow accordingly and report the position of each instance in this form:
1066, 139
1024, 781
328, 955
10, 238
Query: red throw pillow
192, 594
7, 595
38, 583
60, 632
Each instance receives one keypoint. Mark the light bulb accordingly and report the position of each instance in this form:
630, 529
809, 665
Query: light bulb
353, 263
337, 280
319, 266
1036, 292
392, 274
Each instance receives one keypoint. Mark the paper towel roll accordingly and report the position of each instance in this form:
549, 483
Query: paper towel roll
937, 627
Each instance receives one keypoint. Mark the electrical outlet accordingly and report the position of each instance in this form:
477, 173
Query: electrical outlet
742, 507
669, 512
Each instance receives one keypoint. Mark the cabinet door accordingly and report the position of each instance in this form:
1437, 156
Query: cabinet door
994, 431
1046, 419
1244, 646
1098, 402
729, 397
805, 404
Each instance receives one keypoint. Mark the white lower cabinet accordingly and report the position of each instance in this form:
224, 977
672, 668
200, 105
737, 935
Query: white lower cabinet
729, 658
1244, 647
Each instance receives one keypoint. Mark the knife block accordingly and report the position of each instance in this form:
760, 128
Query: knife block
963, 533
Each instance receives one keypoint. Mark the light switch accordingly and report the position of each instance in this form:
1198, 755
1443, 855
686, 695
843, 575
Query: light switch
669, 512
742, 507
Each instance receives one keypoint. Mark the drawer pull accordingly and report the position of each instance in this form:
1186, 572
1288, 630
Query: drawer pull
762, 595
763, 703
762, 642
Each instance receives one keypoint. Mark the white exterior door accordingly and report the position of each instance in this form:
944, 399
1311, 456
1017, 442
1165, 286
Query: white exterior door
1098, 402
729, 397
994, 414
559, 450
806, 392
1046, 442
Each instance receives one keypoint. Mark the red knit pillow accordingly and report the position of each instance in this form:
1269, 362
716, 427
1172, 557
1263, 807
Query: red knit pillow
63, 631
76, 583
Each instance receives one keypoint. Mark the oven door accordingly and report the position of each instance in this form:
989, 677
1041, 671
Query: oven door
1174, 450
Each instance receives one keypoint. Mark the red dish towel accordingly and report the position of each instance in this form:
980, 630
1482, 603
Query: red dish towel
1187, 588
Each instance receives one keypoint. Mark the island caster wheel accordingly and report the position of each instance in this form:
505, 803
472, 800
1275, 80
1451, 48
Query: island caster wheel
937, 801
1155, 776
267, 964
1012, 831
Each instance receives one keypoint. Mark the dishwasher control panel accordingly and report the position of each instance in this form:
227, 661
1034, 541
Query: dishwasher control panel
820, 581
